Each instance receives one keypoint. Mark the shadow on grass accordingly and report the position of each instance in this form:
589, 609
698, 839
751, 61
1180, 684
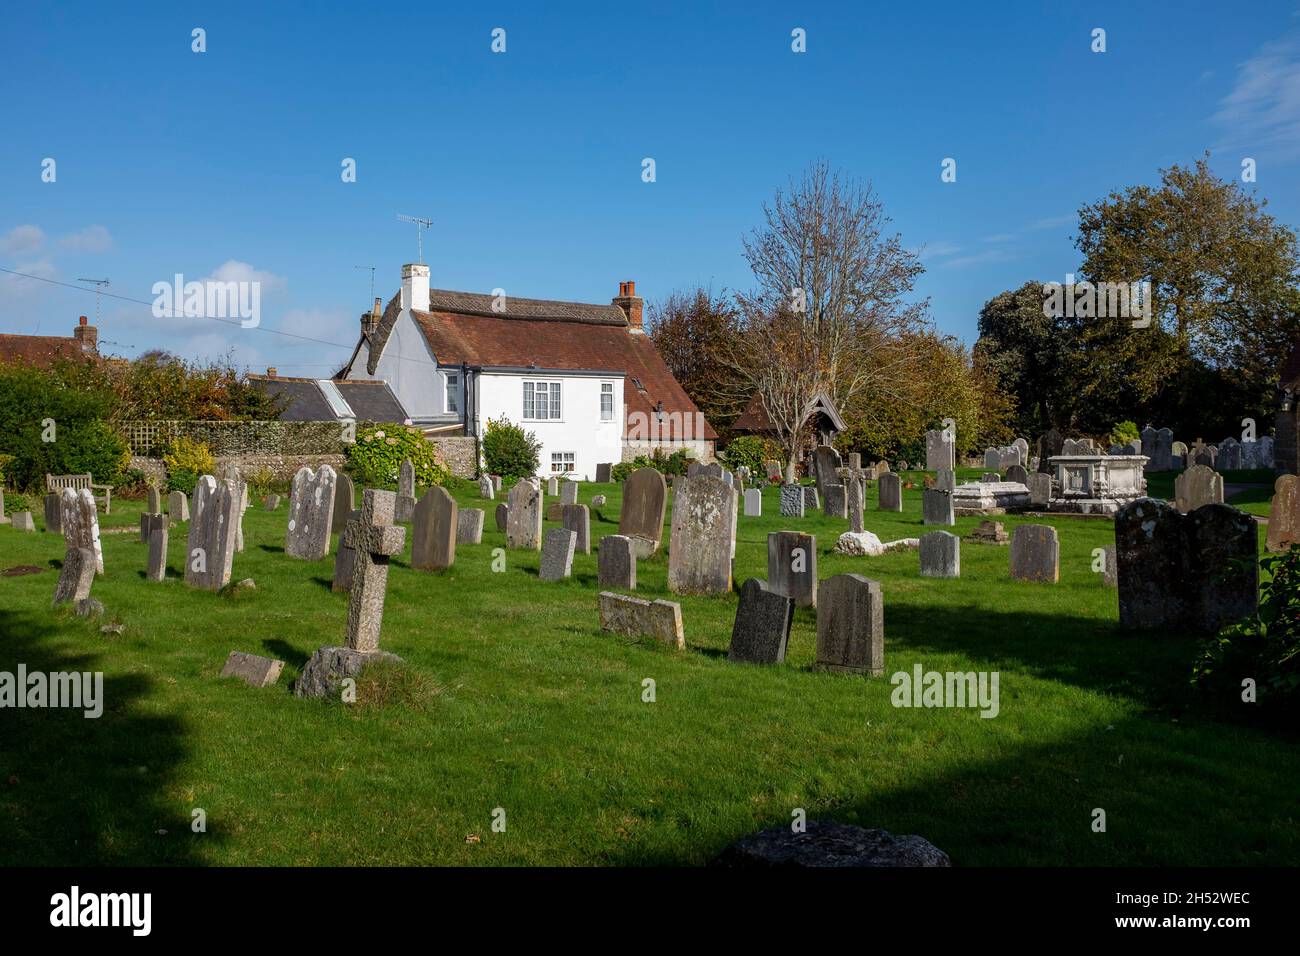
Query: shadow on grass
88, 792
286, 652
271, 548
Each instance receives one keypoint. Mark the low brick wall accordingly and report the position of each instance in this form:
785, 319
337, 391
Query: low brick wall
459, 453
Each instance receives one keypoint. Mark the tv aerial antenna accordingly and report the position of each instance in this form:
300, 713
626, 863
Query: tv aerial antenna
420, 226
372, 278
100, 286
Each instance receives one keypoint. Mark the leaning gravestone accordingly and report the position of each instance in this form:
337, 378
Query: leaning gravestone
80, 523
345, 502
940, 555
1197, 572
214, 520
940, 452
703, 533
753, 503
53, 513
557, 554
762, 627
936, 507
792, 566
433, 531
633, 617
569, 493
851, 625
890, 490
486, 490
616, 562
1035, 553
502, 516
791, 501
645, 500
76, 576
253, 670
157, 569
469, 526
577, 518
1040, 489
855, 503
524, 517
1284, 514
1197, 486
178, 507
311, 513
835, 501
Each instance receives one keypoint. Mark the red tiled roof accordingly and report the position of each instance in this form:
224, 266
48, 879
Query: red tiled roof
41, 351
753, 418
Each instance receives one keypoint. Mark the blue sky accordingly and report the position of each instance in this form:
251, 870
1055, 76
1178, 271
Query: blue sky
227, 162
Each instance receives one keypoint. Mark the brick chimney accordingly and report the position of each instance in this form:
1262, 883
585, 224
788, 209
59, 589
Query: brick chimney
271, 371
630, 303
87, 335
415, 286
370, 320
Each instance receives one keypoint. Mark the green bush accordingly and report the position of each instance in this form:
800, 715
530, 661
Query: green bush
748, 451
375, 459
623, 470
1265, 647
187, 460
1124, 432
509, 451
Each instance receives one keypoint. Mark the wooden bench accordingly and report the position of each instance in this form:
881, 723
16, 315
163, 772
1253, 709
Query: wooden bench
56, 484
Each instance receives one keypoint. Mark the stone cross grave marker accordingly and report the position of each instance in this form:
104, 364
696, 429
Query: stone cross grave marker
374, 539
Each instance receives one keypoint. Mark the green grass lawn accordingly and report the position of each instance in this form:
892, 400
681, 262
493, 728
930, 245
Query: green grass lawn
1254, 500
526, 705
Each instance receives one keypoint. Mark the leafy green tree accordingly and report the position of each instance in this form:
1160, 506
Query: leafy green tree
509, 451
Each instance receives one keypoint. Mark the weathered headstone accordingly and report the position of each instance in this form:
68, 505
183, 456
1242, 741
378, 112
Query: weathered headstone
569, 493
753, 503
811, 499
945, 480
469, 526
616, 562
835, 501
557, 554
311, 513
157, 568
851, 625
433, 531
762, 627
345, 502
826, 465
178, 507
940, 452
154, 505
486, 490
552, 486
23, 521
1019, 474
791, 501
404, 510
502, 516
76, 576
1021, 446
148, 522
989, 532
1197, 486
633, 617
1035, 553
598, 501
272, 502
703, 533
936, 507
855, 502
1284, 514
253, 670
604, 471
345, 558
990, 477
940, 555
374, 539
214, 519
53, 513
577, 518
1109, 569
1197, 572
792, 566
80, 523
645, 500
524, 517
890, 489
772, 469
1229, 457
1039, 484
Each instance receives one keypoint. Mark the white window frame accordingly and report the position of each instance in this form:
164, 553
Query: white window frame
566, 467
554, 392
451, 396
606, 389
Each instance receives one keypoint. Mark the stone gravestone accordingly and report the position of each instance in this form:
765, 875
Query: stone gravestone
811, 499
577, 518
53, 512
552, 486
851, 625
1040, 489
703, 533
311, 513
157, 569
80, 523
855, 503
753, 503
992, 459
1035, 553
75, 577
940, 453
945, 480
762, 627
624, 614
990, 477
524, 517
835, 501
936, 507
1021, 445
1049, 446
792, 566
149, 522
1019, 474
343, 560
374, 539
616, 562
1229, 456
1197, 572
772, 469
569, 493
791, 501
890, 490
940, 555
645, 500
155, 501
405, 508
1284, 514
345, 502
178, 507
230, 472
23, 521
214, 521
253, 670
1197, 486
554, 511
1264, 456
1109, 570
826, 465
557, 554
496, 483
604, 471
433, 531
469, 526
502, 517
486, 490
271, 502
4, 518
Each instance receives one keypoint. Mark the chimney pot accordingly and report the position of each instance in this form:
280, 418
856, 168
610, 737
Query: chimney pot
83, 320
270, 371
631, 305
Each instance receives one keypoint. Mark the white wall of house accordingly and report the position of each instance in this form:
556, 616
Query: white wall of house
580, 431
410, 370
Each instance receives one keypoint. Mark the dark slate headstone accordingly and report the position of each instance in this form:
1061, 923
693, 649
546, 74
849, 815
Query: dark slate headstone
433, 531
936, 507
890, 489
54, 514
343, 560
1019, 474
604, 470
1035, 553
577, 518
940, 555
503, 516
835, 501
851, 625
762, 627
792, 566
616, 562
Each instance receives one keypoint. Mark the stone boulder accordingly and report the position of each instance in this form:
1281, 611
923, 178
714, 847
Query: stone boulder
329, 666
826, 843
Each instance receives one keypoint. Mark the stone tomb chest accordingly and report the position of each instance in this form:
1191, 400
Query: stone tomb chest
1096, 484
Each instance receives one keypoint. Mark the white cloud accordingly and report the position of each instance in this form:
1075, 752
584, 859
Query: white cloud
22, 241
232, 270
938, 250
979, 258
1262, 112
92, 239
